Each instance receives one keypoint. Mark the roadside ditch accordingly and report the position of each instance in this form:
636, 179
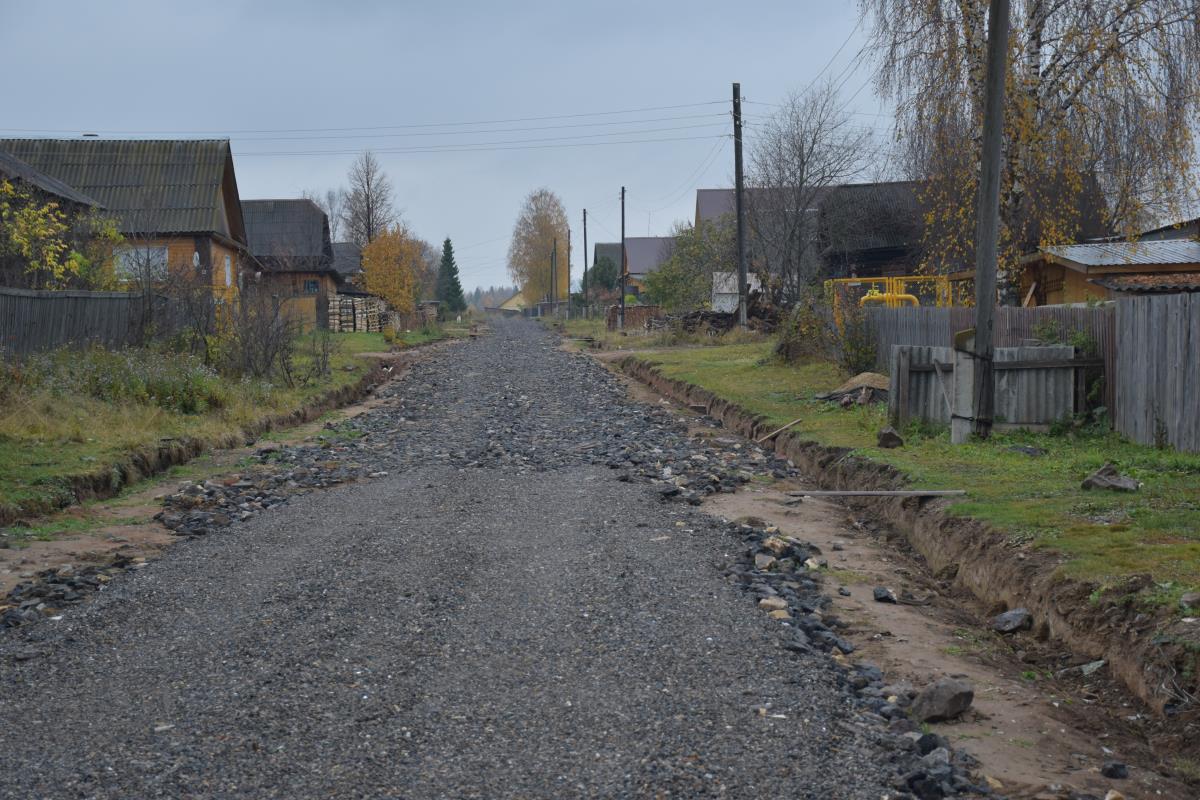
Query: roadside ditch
1149, 655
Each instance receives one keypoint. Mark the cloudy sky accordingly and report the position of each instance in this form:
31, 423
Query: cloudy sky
468, 105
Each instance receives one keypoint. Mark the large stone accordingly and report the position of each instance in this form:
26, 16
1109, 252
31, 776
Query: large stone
943, 699
884, 595
1115, 770
772, 604
1190, 600
1017, 619
1107, 477
888, 438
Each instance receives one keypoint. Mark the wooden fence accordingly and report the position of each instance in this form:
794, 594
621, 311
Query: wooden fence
32, 321
1158, 361
1014, 327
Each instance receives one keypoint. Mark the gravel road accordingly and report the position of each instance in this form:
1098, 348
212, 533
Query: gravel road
512, 611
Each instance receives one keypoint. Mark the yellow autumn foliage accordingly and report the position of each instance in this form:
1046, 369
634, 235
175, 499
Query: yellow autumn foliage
390, 265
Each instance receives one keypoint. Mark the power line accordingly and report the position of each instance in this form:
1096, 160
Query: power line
468, 148
381, 127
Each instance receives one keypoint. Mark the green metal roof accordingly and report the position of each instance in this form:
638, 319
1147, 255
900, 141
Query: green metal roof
155, 186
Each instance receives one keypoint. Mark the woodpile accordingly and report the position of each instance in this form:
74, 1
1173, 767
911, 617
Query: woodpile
349, 314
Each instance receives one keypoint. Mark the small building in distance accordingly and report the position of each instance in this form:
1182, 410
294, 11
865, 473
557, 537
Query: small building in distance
1079, 273
643, 255
347, 263
290, 240
176, 202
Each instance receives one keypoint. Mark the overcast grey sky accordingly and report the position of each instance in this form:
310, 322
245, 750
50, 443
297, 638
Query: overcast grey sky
270, 74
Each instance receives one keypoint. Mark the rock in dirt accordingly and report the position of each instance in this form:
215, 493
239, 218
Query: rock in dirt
943, 699
888, 438
1115, 770
1017, 619
884, 595
1107, 477
1113, 794
1190, 600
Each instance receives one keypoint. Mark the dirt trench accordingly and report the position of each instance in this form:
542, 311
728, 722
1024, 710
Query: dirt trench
1152, 655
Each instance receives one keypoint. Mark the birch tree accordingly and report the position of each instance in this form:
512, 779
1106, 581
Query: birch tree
541, 221
1102, 103
808, 146
368, 210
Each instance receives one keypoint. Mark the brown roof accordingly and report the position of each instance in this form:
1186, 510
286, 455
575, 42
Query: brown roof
1152, 282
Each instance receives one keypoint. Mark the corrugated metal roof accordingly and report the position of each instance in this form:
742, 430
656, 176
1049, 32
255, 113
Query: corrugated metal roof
15, 169
155, 186
1152, 282
1116, 254
288, 235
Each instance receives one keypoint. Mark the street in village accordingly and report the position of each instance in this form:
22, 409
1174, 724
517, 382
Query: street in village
499, 606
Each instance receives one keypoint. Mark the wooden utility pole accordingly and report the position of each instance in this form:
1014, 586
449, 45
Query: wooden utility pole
624, 263
568, 272
554, 277
738, 205
987, 224
583, 283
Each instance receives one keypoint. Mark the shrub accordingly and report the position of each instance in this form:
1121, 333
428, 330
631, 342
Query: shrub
812, 332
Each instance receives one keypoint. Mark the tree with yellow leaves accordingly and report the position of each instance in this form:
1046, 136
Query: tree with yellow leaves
391, 262
542, 221
1098, 130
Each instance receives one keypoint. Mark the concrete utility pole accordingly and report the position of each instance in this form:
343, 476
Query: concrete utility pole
624, 263
583, 284
987, 231
743, 292
568, 273
554, 278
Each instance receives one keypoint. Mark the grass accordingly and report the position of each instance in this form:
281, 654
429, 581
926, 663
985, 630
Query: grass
614, 340
50, 438
1103, 537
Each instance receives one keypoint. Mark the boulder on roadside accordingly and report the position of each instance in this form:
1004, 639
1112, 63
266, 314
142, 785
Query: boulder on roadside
1107, 477
1017, 619
1190, 600
943, 699
888, 438
884, 595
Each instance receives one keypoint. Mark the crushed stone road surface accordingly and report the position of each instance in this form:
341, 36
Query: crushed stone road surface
499, 616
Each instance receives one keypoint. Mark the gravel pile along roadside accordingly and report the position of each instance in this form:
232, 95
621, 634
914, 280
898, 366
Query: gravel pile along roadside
506, 609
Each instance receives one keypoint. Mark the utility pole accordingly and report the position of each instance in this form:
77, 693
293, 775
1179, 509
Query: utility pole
554, 278
743, 298
624, 263
568, 272
583, 285
987, 228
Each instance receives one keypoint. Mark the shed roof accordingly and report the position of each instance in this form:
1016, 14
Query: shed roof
1151, 283
288, 235
609, 250
155, 186
1118, 254
647, 253
347, 258
14, 168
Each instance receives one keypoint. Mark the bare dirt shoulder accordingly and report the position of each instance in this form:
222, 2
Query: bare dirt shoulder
1039, 726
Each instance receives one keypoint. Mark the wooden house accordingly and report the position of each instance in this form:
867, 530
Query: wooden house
1079, 273
176, 202
290, 241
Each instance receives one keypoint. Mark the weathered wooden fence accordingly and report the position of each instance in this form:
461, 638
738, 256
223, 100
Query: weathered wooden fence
1158, 368
1014, 327
32, 321
1035, 386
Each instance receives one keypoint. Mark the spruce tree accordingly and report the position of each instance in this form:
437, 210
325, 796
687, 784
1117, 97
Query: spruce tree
449, 288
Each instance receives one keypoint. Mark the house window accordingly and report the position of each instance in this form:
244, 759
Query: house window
228, 272
312, 287
143, 263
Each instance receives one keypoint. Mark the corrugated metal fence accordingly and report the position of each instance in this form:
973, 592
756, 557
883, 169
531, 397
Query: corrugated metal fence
1025, 397
32, 321
1158, 347
1014, 327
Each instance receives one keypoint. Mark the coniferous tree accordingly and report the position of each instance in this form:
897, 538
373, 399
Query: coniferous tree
449, 288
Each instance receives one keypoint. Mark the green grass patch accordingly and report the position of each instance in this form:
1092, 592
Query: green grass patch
1103, 537
65, 427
